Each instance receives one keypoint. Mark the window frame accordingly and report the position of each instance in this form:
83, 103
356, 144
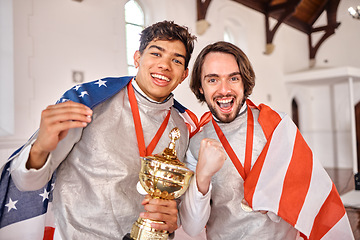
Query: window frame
130, 65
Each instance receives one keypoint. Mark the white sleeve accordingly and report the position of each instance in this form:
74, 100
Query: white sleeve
194, 207
34, 179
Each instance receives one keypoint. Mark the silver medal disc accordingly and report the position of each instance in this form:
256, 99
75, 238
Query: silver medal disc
140, 189
245, 206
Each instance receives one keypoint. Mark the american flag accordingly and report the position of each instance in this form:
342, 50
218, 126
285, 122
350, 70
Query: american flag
24, 215
27, 215
289, 182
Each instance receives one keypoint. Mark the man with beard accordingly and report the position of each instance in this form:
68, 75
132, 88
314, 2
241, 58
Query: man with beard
255, 175
95, 141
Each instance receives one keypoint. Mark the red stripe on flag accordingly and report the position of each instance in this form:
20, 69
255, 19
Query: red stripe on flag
268, 120
297, 181
330, 213
49, 233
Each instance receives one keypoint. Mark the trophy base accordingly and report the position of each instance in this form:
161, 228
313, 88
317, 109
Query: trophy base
142, 230
127, 237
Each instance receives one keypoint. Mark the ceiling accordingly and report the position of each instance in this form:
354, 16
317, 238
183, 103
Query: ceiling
299, 14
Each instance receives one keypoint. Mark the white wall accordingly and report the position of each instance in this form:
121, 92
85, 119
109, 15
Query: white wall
53, 38
6, 68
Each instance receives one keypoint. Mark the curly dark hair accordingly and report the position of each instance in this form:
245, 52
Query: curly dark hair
168, 30
246, 71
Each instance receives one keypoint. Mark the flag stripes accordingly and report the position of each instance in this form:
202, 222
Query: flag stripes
319, 188
330, 213
297, 180
287, 181
275, 167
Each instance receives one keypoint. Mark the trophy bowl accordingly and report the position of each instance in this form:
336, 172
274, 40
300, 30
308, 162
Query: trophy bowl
162, 176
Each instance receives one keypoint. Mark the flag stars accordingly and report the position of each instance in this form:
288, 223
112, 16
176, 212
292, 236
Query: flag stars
101, 83
11, 204
77, 87
83, 93
45, 195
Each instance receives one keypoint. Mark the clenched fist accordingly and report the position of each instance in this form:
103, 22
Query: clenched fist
211, 159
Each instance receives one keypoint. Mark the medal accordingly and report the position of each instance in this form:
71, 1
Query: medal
140, 189
243, 170
143, 150
245, 206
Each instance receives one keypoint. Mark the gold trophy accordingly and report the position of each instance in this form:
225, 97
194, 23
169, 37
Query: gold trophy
162, 176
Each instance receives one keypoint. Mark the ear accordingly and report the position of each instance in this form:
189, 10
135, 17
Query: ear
185, 74
201, 90
137, 56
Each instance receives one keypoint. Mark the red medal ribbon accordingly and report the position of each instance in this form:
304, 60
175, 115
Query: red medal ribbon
248, 149
143, 151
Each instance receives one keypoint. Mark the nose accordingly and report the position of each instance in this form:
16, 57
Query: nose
224, 87
164, 63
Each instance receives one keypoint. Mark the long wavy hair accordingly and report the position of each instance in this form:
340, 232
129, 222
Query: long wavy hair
246, 71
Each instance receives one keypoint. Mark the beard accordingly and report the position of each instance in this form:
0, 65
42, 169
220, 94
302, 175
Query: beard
225, 117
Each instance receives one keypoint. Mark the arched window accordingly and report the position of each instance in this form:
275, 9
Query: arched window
234, 31
228, 36
295, 112
357, 127
134, 24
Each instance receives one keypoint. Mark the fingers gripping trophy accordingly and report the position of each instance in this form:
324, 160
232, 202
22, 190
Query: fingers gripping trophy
162, 176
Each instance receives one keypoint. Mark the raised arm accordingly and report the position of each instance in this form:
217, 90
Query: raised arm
42, 154
195, 205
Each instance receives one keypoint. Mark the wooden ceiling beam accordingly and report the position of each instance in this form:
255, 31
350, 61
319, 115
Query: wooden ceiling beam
287, 9
202, 6
317, 13
299, 14
202, 25
329, 29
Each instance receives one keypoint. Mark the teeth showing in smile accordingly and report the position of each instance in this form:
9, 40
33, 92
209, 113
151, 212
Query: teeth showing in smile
225, 103
160, 77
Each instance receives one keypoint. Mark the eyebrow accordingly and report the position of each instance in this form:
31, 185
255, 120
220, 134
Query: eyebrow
163, 50
217, 75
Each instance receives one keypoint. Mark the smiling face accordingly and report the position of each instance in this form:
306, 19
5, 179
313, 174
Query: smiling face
222, 85
161, 68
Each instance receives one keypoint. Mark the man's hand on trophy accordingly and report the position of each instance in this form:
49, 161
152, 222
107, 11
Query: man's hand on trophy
164, 211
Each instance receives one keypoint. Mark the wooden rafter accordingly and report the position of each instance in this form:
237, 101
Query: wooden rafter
286, 10
202, 6
328, 29
299, 14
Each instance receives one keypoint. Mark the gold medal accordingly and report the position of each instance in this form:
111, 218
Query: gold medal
245, 206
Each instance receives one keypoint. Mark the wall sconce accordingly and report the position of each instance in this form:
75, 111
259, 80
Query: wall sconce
354, 12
